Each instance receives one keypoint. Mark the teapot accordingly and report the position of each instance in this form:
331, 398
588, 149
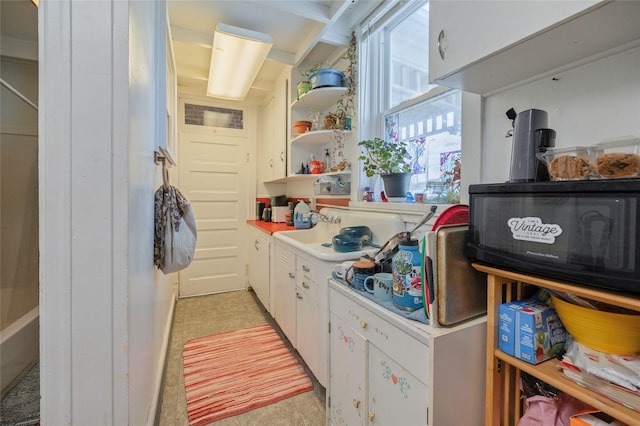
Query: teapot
316, 167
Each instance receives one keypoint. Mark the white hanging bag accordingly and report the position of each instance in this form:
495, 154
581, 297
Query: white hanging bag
179, 241
175, 229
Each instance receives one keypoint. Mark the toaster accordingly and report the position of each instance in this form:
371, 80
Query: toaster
278, 213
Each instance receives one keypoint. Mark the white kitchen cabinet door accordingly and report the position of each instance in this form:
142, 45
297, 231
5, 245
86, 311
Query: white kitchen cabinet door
259, 246
284, 288
472, 30
395, 395
308, 328
279, 147
266, 144
347, 379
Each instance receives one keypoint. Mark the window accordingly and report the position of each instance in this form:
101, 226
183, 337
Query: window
398, 103
202, 115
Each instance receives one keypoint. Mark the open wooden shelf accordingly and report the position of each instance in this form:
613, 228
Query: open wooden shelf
503, 371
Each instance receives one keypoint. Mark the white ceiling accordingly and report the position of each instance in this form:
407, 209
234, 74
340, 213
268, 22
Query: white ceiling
303, 31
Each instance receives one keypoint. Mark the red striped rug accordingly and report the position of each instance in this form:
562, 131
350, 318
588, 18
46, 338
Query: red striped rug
237, 371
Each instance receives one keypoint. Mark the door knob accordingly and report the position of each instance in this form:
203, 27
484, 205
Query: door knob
372, 416
356, 403
363, 324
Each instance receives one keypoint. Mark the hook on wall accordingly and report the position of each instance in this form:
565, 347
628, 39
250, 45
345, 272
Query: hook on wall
163, 156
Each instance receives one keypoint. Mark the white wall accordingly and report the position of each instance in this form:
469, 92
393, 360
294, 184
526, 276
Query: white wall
586, 105
151, 295
104, 309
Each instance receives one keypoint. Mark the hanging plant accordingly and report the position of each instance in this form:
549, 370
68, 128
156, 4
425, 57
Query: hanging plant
345, 105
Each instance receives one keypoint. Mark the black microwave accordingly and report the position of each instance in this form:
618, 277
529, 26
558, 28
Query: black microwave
587, 232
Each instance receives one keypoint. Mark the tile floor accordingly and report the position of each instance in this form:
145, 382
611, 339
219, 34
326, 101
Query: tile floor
205, 315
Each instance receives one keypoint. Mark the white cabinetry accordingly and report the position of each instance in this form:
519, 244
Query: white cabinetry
272, 147
309, 330
284, 288
315, 142
384, 369
279, 151
266, 143
481, 46
300, 299
259, 259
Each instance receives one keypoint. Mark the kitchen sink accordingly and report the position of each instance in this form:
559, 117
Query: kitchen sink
314, 241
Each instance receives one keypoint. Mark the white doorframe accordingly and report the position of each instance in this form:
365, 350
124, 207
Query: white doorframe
246, 193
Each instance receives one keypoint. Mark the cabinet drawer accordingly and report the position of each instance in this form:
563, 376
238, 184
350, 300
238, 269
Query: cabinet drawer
307, 286
305, 265
406, 350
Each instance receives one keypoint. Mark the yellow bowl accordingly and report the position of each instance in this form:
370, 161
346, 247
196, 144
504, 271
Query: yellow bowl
608, 332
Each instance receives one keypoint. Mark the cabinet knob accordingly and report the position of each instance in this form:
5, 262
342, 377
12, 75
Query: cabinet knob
306, 268
356, 403
282, 156
372, 416
292, 275
305, 285
255, 244
363, 324
299, 296
441, 44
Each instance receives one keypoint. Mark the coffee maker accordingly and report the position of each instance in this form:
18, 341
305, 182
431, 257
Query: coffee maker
531, 136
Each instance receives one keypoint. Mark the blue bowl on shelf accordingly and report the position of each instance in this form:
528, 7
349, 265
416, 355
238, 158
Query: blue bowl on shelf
326, 77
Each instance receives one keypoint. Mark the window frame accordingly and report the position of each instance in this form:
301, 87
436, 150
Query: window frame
373, 101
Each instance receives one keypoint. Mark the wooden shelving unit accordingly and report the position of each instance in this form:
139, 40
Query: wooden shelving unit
503, 403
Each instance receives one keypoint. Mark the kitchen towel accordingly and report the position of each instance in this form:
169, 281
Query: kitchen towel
237, 371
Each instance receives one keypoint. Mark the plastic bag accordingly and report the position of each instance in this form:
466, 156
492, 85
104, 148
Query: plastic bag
175, 230
546, 406
180, 243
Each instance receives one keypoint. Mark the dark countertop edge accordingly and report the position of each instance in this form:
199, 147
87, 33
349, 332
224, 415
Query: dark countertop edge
270, 227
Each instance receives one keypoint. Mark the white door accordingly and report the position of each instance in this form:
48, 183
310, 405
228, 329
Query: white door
347, 377
213, 172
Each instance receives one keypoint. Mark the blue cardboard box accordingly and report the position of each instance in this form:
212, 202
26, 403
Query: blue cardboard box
530, 330
507, 326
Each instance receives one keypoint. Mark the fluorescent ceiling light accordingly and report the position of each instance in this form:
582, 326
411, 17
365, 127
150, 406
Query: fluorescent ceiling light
236, 57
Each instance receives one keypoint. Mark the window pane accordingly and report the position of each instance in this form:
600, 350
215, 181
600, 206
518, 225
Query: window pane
432, 132
202, 115
409, 49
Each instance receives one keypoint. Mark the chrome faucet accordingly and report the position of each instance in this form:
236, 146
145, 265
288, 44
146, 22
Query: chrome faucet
329, 219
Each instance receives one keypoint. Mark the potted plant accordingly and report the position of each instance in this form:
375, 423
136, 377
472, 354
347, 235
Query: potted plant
304, 85
391, 161
325, 76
